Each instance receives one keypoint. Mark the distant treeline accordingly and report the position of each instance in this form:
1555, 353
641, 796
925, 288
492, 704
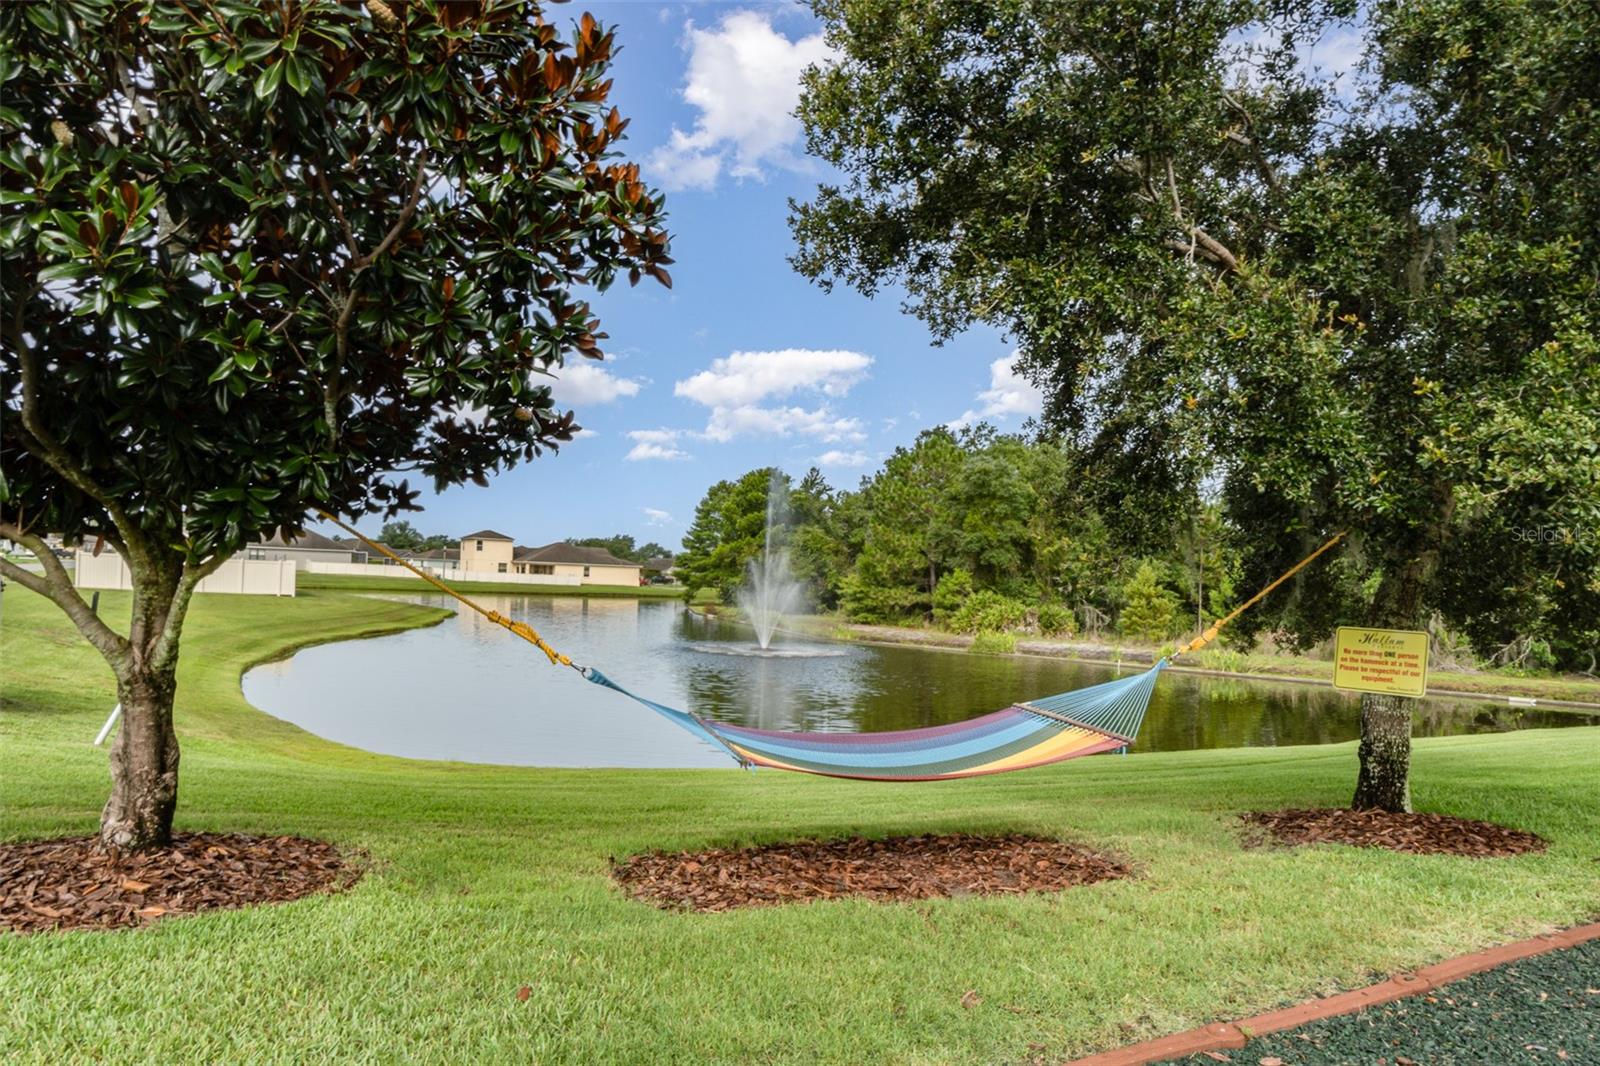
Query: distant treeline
974, 531
977, 531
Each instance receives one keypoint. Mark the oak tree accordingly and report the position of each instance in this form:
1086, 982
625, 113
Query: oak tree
1366, 304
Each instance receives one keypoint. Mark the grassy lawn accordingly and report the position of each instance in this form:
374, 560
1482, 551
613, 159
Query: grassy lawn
484, 879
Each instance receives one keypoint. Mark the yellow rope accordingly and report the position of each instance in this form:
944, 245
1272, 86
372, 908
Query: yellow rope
521, 629
1211, 631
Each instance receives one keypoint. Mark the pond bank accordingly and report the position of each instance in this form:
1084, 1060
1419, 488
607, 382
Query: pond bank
1567, 693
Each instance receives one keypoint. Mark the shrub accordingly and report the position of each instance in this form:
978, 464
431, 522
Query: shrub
1226, 660
988, 611
1150, 613
993, 644
953, 590
1055, 620
864, 601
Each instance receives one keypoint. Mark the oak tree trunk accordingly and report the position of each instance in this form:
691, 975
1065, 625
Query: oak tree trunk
1385, 780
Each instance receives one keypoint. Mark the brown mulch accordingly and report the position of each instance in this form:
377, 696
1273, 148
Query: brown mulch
1417, 834
893, 868
71, 883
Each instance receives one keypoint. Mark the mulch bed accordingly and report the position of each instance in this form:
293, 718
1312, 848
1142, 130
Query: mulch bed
71, 883
1417, 834
893, 868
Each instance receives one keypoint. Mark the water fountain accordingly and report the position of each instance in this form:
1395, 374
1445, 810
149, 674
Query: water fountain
770, 590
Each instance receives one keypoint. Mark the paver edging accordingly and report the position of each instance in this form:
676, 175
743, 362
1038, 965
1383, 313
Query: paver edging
1219, 1036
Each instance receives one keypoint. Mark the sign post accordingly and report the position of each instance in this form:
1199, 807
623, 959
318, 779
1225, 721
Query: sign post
1391, 661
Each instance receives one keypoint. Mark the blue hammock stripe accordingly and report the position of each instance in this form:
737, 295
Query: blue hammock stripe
1085, 721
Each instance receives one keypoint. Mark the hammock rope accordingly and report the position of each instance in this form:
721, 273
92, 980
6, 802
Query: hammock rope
1086, 721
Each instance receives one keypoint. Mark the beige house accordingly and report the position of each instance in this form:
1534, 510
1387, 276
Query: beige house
489, 552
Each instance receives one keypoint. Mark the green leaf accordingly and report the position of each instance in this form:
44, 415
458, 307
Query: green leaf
72, 270
267, 81
296, 72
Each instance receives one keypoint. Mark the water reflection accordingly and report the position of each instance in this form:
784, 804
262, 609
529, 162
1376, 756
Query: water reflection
469, 690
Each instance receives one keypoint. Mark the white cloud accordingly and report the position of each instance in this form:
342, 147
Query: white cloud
654, 451
749, 377
743, 79
656, 516
655, 444
1335, 57
729, 422
735, 385
839, 458
586, 385
1009, 393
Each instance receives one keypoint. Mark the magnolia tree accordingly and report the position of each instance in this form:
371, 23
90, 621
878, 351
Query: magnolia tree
1372, 309
264, 259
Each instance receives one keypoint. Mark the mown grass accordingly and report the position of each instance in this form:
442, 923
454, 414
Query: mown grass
485, 879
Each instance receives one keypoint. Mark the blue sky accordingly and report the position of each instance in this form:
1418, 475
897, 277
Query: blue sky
743, 363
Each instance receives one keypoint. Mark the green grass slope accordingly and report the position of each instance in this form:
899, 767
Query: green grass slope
485, 879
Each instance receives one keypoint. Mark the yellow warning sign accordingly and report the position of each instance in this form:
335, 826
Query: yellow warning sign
1391, 661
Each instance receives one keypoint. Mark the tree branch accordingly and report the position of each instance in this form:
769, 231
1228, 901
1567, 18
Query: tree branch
56, 585
338, 214
165, 654
341, 327
399, 228
1264, 168
58, 458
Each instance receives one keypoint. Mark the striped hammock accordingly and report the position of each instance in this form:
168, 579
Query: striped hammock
1086, 721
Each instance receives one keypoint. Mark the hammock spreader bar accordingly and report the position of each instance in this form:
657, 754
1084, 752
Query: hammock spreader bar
1085, 721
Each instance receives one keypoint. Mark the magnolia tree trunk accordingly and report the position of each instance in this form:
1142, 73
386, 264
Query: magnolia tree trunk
144, 756
144, 763
1385, 780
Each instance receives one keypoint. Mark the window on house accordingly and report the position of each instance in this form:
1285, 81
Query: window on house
586, 571
542, 568
501, 568
479, 546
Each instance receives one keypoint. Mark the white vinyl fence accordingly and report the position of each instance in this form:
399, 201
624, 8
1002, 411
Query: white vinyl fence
364, 570
242, 577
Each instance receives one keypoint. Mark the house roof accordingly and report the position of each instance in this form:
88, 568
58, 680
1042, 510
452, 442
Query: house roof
485, 534
434, 553
308, 540
562, 552
660, 562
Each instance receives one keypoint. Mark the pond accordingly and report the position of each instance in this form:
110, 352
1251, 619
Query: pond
468, 690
